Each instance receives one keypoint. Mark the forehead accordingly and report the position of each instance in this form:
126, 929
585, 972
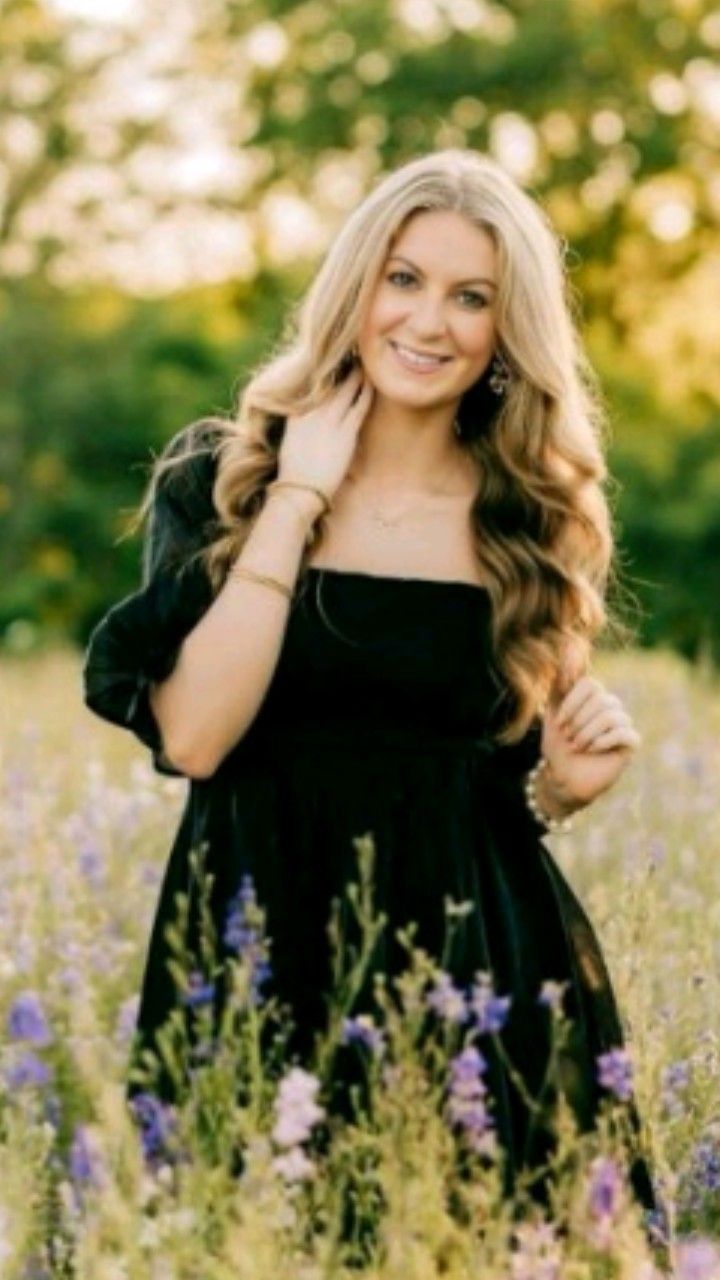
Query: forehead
446, 243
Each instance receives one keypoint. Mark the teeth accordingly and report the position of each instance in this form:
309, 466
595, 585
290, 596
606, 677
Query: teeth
417, 359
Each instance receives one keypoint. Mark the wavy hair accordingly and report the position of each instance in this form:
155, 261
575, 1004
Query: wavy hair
541, 519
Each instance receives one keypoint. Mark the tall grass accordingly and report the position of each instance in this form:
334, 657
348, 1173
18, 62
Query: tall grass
250, 1176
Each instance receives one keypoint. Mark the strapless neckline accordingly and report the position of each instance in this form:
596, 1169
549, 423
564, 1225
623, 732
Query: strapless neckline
395, 579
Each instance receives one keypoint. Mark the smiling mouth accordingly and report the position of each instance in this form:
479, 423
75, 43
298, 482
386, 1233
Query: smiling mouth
418, 359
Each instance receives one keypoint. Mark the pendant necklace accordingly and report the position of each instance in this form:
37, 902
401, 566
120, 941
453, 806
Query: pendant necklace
385, 522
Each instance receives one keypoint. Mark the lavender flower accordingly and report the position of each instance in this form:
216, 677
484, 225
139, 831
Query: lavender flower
466, 1107
156, 1121
26, 1020
706, 1163
244, 938
605, 1185
489, 1011
29, 1070
615, 1072
127, 1019
675, 1079
604, 1199
86, 1161
677, 1075
199, 992
295, 1108
362, 1030
446, 1000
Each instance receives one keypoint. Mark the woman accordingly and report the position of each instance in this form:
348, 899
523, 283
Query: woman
369, 603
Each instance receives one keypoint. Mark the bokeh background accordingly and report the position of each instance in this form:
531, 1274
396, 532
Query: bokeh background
170, 174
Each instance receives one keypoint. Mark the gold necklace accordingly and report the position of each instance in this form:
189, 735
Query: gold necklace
385, 522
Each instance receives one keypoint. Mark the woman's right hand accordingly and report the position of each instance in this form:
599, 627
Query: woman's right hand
318, 446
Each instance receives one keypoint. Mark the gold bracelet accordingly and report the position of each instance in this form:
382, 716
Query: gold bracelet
240, 571
300, 512
296, 484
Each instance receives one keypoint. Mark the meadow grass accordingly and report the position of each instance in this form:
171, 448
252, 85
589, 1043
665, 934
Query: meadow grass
91, 1192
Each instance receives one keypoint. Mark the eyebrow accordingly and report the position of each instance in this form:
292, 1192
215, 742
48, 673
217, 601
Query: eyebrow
474, 279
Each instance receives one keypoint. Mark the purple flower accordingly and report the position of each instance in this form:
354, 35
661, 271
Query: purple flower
243, 936
86, 1159
156, 1120
446, 1000
199, 991
362, 1030
467, 1067
489, 1011
466, 1106
706, 1163
127, 1019
615, 1072
27, 1021
677, 1075
605, 1187
28, 1071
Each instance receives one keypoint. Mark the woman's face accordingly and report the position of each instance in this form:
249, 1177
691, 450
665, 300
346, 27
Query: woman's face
435, 296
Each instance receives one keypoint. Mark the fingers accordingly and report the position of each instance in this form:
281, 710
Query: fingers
580, 693
582, 702
595, 719
622, 736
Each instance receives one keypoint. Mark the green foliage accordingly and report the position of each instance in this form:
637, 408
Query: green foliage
606, 111
95, 386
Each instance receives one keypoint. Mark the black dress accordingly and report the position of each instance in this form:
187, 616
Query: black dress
378, 720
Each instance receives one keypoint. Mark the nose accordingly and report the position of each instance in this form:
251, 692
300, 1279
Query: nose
427, 317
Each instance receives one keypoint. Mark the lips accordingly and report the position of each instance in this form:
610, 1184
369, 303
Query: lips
408, 363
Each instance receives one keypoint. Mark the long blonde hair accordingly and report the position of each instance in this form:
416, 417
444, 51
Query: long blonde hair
542, 526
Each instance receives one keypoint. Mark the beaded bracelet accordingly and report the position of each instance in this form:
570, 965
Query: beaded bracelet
557, 826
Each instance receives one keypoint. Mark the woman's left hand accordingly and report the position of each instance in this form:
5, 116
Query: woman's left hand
588, 738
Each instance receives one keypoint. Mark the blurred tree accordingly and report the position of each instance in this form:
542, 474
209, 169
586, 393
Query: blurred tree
220, 144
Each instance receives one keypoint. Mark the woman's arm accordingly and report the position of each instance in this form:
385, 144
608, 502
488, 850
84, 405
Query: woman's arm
227, 661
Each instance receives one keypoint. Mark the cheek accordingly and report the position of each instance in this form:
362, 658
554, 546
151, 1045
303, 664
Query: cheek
386, 312
476, 335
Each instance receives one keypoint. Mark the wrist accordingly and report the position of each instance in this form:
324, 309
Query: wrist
553, 797
307, 506
548, 801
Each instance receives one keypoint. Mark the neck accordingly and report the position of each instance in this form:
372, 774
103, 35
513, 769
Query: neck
411, 451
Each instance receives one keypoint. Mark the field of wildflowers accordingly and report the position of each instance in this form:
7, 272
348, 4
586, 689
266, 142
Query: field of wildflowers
247, 1179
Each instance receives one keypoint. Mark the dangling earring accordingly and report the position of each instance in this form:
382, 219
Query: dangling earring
499, 379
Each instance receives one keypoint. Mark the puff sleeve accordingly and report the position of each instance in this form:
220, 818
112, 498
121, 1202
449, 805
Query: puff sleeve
138, 640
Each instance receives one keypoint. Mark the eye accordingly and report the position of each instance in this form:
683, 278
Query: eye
479, 299
394, 275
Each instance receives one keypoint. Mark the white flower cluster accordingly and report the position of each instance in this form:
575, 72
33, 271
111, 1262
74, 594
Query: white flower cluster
297, 1112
